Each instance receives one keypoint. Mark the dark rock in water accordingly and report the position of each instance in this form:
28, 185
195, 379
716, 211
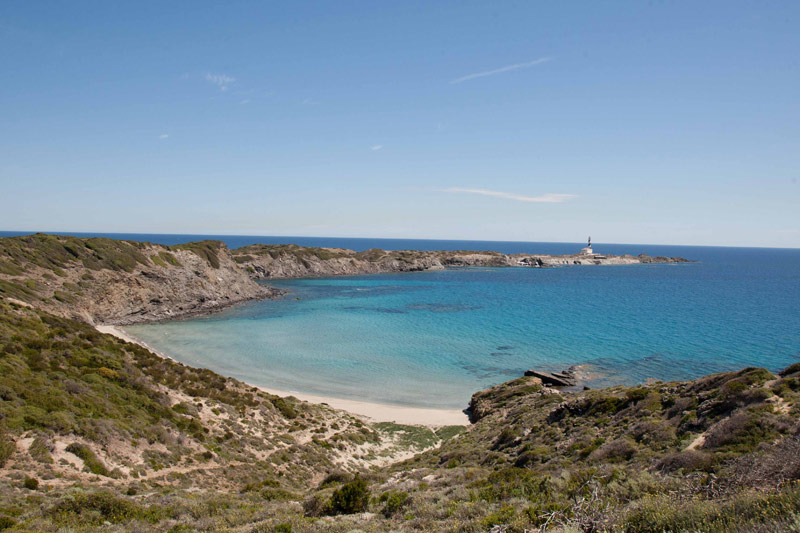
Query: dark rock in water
555, 379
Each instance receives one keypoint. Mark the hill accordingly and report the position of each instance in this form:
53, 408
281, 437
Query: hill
101, 280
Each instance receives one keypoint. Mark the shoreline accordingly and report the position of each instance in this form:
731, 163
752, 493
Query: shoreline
376, 412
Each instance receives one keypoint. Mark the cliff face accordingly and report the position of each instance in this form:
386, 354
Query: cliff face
291, 261
122, 282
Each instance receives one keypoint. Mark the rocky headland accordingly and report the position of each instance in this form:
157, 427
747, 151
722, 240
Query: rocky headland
292, 261
108, 281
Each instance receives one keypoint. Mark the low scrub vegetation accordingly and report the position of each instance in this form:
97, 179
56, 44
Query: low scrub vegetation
167, 447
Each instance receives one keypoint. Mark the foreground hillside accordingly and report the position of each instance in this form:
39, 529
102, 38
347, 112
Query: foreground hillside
95, 430
98, 432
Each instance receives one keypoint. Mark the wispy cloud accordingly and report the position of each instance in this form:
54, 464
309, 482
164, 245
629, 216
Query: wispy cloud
548, 198
220, 80
507, 68
376, 147
163, 136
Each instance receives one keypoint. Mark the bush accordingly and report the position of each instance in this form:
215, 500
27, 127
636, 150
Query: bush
7, 448
659, 514
617, 450
394, 502
94, 508
686, 461
350, 498
313, 506
90, 460
31, 483
284, 407
741, 433
505, 439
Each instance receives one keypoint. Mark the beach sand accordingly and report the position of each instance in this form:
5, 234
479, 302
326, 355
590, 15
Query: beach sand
377, 412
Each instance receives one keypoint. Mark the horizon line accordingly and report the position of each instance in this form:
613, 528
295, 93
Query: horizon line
21, 233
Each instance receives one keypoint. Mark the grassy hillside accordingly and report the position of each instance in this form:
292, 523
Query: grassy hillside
716, 454
95, 431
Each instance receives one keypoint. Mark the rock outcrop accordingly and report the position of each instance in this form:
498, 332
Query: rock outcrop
554, 379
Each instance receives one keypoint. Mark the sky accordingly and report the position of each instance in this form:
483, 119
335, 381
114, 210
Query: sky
661, 122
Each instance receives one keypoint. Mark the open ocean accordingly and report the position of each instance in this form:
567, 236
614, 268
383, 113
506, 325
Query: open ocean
433, 338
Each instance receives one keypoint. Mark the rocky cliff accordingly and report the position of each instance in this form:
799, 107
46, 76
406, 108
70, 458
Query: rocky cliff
122, 282
292, 261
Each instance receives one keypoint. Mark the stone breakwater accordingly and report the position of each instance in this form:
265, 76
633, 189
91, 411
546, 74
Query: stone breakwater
290, 261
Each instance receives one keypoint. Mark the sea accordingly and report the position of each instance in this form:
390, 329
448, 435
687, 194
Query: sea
432, 339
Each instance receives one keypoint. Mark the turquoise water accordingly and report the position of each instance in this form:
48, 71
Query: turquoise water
434, 338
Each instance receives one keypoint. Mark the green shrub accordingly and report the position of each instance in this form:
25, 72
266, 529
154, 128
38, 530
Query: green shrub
90, 460
741, 433
743, 513
31, 483
94, 509
7, 448
284, 407
503, 516
351, 498
40, 450
394, 502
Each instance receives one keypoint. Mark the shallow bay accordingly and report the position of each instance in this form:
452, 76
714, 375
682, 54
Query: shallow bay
433, 338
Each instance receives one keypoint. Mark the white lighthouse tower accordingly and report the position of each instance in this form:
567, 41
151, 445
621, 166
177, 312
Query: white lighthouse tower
588, 249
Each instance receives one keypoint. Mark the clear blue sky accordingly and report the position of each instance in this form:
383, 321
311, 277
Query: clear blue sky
642, 122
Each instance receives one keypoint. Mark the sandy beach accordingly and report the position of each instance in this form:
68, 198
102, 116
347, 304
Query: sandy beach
375, 411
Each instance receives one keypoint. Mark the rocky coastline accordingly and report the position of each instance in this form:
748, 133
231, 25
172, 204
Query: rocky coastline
114, 282
291, 261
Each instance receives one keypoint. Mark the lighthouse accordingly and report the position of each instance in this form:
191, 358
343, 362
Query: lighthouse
588, 249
